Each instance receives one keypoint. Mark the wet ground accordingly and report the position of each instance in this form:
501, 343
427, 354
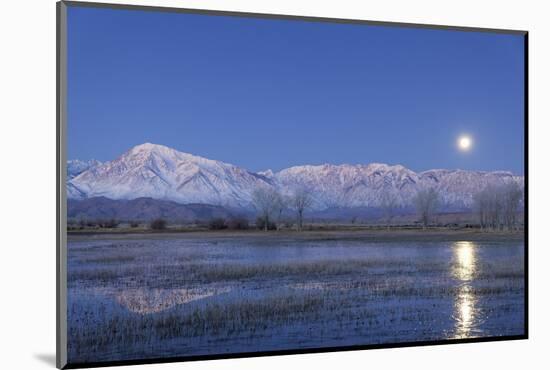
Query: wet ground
184, 295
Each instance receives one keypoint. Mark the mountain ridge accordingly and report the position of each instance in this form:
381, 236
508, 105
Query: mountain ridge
161, 172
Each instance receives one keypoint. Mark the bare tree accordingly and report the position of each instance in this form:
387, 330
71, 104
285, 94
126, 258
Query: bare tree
427, 203
265, 200
495, 207
482, 205
281, 203
389, 205
301, 200
498, 206
512, 198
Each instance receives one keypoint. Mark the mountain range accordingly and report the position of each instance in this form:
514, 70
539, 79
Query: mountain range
162, 173
75, 167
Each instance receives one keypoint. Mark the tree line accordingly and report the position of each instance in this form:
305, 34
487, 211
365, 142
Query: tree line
496, 207
271, 205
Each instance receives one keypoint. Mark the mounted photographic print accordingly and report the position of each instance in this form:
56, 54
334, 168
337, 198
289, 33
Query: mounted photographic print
234, 184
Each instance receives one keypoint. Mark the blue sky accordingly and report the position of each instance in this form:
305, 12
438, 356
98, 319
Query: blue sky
276, 93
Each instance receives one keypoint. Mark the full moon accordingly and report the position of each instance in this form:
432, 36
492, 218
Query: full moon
464, 143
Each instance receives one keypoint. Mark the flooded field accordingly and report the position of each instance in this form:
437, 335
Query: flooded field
134, 298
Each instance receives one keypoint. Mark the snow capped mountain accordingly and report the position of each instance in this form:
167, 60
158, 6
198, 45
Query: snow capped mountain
366, 185
159, 172
268, 173
457, 187
351, 185
75, 167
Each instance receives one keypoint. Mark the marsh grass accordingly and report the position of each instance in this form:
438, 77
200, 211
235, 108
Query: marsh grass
109, 259
236, 304
186, 272
359, 306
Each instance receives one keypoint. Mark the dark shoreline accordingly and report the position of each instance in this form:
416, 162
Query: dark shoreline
368, 235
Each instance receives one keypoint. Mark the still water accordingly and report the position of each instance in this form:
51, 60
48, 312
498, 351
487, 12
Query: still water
131, 299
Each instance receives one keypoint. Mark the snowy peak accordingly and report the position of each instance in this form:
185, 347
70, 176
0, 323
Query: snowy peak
160, 172
267, 173
336, 186
76, 167
149, 147
148, 150
163, 156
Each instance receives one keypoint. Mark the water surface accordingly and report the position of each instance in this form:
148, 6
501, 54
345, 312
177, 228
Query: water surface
133, 299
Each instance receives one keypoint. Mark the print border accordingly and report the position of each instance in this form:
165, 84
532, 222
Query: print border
61, 196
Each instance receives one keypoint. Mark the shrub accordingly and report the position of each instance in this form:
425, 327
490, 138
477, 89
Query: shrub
238, 223
288, 223
260, 224
134, 224
217, 224
110, 224
103, 224
158, 224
